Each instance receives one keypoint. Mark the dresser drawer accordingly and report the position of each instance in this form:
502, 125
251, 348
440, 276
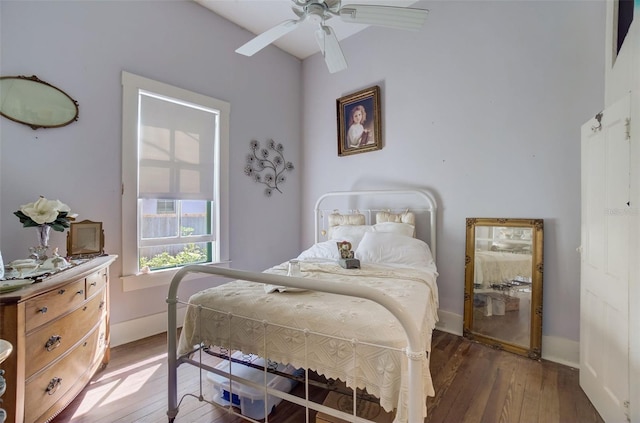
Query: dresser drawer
46, 388
52, 340
95, 282
46, 307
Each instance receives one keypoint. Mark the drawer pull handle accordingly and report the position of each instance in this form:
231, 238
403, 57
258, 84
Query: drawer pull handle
53, 342
80, 292
62, 291
53, 385
101, 306
93, 284
43, 310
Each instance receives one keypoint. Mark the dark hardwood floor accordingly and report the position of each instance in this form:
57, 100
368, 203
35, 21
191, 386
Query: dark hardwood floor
473, 383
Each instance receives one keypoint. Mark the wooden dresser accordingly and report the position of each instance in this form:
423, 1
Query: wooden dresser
59, 329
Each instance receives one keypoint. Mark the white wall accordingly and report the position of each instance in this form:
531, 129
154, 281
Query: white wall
82, 47
484, 107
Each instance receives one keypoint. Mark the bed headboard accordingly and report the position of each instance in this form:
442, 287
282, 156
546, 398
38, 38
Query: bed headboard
370, 202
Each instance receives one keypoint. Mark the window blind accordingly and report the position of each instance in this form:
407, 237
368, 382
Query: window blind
176, 149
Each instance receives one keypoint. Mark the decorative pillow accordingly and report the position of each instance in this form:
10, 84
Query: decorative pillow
391, 248
406, 217
337, 219
396, 228
351, 233
321, 250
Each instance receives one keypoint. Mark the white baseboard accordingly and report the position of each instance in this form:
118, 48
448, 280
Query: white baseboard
132, 330
449, 322
559, 350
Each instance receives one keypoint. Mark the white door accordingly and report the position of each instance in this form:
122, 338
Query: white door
604, 285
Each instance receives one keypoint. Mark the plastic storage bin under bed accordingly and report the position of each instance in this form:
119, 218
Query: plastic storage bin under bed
250, 400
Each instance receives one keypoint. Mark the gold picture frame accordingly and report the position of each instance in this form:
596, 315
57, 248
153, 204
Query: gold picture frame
359, 122
85, 239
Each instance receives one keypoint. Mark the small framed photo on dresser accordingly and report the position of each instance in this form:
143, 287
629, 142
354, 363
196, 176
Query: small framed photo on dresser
85, 239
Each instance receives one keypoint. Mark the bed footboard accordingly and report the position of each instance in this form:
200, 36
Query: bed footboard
414, 351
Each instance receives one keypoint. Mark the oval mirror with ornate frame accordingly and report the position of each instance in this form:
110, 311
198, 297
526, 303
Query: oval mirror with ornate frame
35, 103
503, 284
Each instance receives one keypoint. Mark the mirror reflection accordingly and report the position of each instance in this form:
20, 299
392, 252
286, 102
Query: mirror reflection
33, 102
503, 292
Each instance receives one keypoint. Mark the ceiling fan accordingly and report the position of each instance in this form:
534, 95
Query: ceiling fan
320, 11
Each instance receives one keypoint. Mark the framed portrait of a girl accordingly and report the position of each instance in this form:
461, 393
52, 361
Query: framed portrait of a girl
359, 122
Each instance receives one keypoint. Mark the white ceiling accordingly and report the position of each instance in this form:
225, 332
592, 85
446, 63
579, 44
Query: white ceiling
257, 16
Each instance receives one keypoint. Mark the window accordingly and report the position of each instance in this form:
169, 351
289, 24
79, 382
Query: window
174, 193
624, 19
165, 206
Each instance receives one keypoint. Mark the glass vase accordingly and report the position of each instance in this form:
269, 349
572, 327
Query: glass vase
294, 269
39, 252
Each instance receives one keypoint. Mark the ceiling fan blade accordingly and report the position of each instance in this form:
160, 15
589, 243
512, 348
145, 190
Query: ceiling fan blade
389, 16
330, 49
267, 37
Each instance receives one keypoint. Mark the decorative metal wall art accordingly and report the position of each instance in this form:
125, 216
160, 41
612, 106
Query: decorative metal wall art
267, 170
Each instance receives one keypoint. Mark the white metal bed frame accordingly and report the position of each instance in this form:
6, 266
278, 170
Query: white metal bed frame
413, 351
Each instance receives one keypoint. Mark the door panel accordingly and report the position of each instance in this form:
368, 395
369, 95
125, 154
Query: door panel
604, 311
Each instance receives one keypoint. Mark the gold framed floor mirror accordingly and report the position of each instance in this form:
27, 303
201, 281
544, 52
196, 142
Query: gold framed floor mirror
503, 284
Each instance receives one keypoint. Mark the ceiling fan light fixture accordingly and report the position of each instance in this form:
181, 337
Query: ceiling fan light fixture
389, 16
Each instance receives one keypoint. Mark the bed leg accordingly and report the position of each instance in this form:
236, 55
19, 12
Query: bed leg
172, 360
171, 414
416, 397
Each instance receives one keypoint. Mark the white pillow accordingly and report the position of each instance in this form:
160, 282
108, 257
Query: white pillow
391, 248
321, 250
395, 227
351, 233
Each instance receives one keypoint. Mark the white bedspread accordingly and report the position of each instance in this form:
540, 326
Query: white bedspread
382, 372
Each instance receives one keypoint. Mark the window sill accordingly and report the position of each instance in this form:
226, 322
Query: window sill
159, 278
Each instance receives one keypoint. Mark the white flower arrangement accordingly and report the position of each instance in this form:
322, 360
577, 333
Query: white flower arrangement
52, 213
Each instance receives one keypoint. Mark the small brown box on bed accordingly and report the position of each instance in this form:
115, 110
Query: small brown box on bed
366, 409
349, 263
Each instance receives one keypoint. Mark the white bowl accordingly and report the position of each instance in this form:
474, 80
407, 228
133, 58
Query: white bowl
5, 349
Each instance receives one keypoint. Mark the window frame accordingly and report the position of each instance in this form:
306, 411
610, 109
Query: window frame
131, 86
